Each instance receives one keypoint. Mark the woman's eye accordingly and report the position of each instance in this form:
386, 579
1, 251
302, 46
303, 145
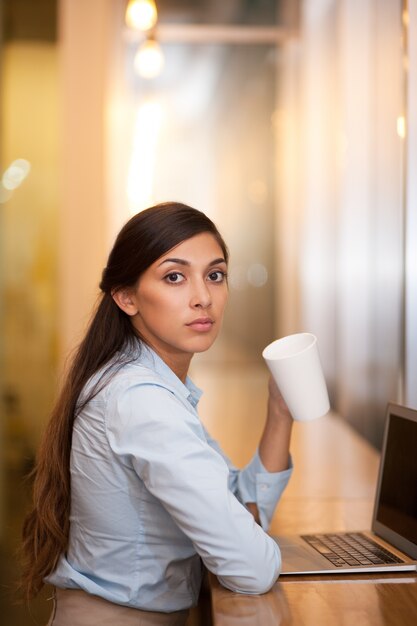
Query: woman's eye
217, 276
174, 277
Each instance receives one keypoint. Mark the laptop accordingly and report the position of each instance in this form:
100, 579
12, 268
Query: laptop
391, 545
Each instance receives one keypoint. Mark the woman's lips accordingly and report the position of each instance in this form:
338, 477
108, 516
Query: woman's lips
202, 324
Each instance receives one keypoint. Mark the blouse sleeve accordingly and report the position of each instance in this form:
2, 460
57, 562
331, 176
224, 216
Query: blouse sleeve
151, 430
255, 484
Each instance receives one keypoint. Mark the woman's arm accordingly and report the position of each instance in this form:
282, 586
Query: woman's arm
274, 445
150, 430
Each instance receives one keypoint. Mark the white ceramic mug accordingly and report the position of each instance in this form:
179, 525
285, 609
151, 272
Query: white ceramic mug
294, 363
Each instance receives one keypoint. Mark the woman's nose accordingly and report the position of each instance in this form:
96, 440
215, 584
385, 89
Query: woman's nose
201, 296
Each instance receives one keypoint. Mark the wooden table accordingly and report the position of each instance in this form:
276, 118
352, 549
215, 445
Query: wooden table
332, 488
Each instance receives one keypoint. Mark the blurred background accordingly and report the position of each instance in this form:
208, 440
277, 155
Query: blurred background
291, 123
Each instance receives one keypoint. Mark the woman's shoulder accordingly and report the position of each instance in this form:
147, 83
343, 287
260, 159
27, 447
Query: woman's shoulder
121, 374
133, 374
142, 370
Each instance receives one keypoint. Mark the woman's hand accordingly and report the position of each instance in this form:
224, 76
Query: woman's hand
276, 404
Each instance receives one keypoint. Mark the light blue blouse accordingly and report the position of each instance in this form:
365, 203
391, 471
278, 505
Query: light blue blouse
153, 496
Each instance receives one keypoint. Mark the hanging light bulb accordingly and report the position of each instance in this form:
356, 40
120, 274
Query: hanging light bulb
149, 59
141, 14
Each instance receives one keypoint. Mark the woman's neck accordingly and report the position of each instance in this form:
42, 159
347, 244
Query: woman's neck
179, 363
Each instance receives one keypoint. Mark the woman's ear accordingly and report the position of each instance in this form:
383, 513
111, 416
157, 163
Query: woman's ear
125, 300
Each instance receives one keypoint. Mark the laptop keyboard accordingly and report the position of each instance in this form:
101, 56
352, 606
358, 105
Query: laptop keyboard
350, 549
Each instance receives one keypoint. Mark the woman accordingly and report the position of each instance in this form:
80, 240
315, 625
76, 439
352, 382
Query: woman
131, 494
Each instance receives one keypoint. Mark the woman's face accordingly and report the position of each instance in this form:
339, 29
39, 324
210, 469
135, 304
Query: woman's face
179, 300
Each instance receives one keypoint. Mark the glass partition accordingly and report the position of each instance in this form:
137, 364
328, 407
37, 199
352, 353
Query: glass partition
202, 133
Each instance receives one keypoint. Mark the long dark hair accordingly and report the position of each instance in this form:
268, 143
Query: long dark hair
110, 339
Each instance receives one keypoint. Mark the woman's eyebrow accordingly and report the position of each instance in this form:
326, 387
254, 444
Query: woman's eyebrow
178, 261
217, 261
184, 262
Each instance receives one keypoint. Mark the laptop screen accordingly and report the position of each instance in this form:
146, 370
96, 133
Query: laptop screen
396, 508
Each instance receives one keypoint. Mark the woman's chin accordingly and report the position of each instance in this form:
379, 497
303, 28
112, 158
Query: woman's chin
201, 344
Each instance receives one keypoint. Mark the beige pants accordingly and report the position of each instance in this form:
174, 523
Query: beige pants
78, 608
